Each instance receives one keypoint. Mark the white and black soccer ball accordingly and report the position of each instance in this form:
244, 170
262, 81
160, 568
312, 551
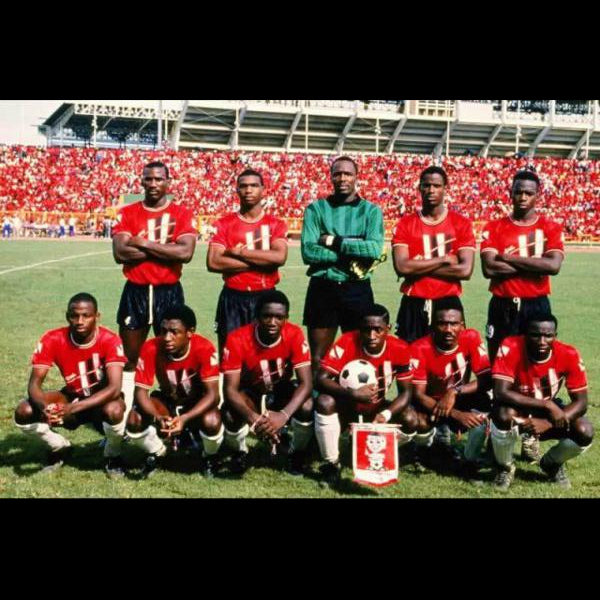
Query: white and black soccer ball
357, 373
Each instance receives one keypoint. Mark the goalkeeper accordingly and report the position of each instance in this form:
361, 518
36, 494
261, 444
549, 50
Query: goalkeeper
342, 242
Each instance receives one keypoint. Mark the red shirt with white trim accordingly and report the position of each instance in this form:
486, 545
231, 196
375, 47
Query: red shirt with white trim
392, 363
263, 367
441, 369
540, 380
426, 239
83, 367
181, 379
506, 236
232, 230
164, 225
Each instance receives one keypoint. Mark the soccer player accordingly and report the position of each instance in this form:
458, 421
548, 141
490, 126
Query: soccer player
443, 392
248, 248
152, 239
528, 374
259, 360
433, 250
90, 359
336, 406
186, 367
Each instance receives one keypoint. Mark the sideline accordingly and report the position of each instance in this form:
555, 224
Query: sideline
55, 260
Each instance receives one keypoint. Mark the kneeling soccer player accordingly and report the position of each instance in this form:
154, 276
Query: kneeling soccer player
186, 367
91, 360
259, 360
528, 372
443, 392
337, 406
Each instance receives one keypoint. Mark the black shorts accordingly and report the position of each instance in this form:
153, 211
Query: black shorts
235, 309
134, 307
330, 304
412, 321
507, 316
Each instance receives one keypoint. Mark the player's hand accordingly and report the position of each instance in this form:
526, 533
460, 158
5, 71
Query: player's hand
469, 419
278, 420
164, 424
265, 428
445, 404
234, 251
366, 393
450, 260
137, 241
535, 427
557, 416
54, 414
379, 418
175, 426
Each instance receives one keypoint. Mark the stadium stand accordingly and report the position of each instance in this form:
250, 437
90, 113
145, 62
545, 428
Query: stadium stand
88, 181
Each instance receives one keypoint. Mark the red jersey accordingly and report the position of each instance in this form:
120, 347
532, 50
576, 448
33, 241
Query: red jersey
164, 225
232, 230
263, 367
181, 379
441, 369
393, 362
83, 367
540, 380
429, 239
506, 236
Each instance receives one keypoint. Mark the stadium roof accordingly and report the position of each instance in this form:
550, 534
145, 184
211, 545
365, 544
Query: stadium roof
562, 128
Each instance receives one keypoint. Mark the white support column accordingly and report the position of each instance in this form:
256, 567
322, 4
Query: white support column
290, 135
579, 144
484, 151
176, 131
396, 134
540, 136
340, 143
234, 138
160, 125
445, 140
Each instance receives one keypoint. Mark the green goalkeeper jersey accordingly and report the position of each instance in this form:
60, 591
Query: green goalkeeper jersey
359, 223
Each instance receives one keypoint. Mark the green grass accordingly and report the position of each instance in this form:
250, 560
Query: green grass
33, 300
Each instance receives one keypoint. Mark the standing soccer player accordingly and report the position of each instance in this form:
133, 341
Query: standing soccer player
248, 248
90, 359
518, 254
433, 250
444, 394
528, 374
187, 369
259, 361
337, 406
339, 234
152, 239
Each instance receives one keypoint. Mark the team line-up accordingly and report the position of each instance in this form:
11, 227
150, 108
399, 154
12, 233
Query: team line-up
278, 384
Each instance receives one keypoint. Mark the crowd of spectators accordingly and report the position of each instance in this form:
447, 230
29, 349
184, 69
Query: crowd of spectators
88, 180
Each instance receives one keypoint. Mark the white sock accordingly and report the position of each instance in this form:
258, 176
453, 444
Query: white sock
128, 388
503, 443
404, 438
565, 450
114, 438
425, 439
211, 444
53, 440
221, 394
475, 442
149, 441
236, 440
327, 432
301, 434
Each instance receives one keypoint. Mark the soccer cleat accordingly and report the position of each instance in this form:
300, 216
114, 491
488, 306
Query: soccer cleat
57, 459
469, 470
330, 474
114, 467
297, 462
504, 477
210, 466
557, 473
530, 449
416, 457
238, 464
151, 463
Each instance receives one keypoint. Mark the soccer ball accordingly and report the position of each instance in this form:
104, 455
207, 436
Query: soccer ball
357, 373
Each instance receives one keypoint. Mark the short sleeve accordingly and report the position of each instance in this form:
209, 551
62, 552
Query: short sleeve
576, 377
220, 236
300, 350
507, 359
186, 223
488, 241
418, 362
232, 360
122, 224
480, 361
146, 365
114, 353
465, 238
400, 236
209, 362
336, 357
555, 242
43, 355
403, 367
280, 230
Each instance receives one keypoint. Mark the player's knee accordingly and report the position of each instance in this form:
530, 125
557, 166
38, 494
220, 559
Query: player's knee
408, 420
503, 416
582, 432
325, 405
24, 413
231, 421
134, 422
305, 412
423, 424
211, 422
113, 412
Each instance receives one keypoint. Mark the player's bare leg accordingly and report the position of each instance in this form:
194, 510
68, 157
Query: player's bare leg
133, 339
319, 340
34, 424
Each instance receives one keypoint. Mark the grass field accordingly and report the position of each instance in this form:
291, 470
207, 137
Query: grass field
38, 277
